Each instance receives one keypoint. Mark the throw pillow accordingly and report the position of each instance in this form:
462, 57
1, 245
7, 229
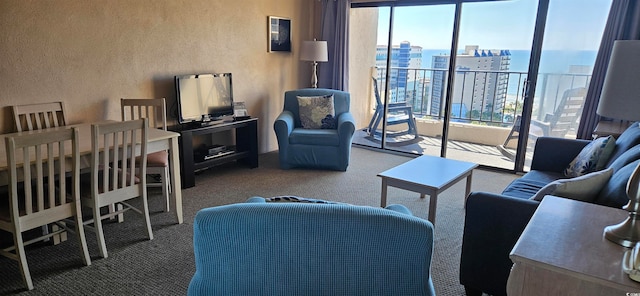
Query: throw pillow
593, 157
583, 188
317, 112
291, 198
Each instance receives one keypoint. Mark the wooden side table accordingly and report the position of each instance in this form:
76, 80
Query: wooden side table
562, 251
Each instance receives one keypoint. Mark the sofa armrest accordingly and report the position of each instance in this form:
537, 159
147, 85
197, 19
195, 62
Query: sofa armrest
493, 224
554, 154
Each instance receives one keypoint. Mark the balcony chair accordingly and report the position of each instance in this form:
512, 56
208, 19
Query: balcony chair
155, 111
397, 113
558, 124
296, 248
324, 145
113, 173
38, 195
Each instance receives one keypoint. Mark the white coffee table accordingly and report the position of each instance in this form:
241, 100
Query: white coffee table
427, 175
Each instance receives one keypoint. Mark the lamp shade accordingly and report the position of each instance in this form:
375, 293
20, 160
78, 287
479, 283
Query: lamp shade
315, 51
620, 97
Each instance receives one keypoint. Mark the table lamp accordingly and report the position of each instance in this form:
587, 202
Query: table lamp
314, 51
620, 99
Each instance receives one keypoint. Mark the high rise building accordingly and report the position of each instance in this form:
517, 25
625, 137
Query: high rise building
480, 87
406, 61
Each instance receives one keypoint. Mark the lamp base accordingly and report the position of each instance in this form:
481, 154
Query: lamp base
626, 233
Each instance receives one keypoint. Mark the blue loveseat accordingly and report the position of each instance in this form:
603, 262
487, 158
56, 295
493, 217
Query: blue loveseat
494, 222
310, 248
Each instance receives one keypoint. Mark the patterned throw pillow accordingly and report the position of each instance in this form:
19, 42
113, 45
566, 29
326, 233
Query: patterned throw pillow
291, 198
583, 188
593, 157
317, 112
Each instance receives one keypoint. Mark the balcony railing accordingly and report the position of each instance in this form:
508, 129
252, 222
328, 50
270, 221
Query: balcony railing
492, 98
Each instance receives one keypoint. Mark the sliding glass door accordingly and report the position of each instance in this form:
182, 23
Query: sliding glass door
494, 45
509, 57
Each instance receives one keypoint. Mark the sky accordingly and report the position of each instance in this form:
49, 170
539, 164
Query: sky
571, 24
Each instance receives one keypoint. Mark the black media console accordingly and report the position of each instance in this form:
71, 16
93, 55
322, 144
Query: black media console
192, 160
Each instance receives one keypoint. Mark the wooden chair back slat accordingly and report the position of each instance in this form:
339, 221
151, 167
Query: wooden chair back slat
154, 110
39, 116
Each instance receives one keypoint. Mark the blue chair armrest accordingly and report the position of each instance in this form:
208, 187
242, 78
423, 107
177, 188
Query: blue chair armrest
256, 199
284, 123
346, 124
554, 154
399, 208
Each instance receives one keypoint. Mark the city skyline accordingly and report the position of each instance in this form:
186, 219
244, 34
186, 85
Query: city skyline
499, 24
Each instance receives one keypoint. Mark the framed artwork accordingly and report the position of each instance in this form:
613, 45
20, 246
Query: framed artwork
279, 34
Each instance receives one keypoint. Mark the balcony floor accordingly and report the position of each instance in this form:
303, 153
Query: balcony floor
477, 153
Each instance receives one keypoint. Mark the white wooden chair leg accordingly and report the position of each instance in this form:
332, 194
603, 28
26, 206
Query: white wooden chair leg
147, 219
119, 207
166, 188
99, 232
82, 239
22, 259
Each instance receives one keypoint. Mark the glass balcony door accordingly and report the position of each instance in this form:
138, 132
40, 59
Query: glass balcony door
492, 61
514, 63
571, 37
400, 79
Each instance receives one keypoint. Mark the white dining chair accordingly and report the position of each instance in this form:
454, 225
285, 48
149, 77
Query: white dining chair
114, 146
155, 111
40, 194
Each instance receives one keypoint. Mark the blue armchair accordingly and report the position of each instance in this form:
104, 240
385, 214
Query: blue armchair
315, 148
293, 248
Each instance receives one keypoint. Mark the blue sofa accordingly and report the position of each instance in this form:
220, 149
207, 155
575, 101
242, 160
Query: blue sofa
494, 222
314, 148
311, 248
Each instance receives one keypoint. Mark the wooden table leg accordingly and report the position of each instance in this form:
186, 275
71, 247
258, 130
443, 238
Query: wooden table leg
383, 195
468, 189
174, 167
433, 203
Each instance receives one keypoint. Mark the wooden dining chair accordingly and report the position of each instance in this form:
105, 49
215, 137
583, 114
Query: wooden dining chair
114, 146
155, 111
38, 116
40, 194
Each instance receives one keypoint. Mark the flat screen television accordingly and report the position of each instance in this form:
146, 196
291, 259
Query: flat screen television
204, 97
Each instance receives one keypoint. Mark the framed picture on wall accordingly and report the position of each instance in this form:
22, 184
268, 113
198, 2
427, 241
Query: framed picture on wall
279, 34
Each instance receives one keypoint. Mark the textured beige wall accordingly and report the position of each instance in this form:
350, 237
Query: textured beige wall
89, 54
363, 37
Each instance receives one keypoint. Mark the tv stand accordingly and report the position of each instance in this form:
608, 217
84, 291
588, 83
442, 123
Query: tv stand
211, 122
246, 147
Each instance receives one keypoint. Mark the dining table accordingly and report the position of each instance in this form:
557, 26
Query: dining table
157, 140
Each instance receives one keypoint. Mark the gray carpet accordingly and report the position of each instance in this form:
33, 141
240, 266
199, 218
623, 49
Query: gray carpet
164, 266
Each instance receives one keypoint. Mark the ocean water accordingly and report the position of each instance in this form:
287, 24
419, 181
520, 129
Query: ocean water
551, 61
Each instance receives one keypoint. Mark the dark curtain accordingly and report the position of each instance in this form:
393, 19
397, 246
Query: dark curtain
623, 24
334, 74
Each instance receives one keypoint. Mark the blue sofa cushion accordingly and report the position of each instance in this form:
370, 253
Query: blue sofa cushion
626, 158
530, 183
614, 192
321, 137
629, 138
